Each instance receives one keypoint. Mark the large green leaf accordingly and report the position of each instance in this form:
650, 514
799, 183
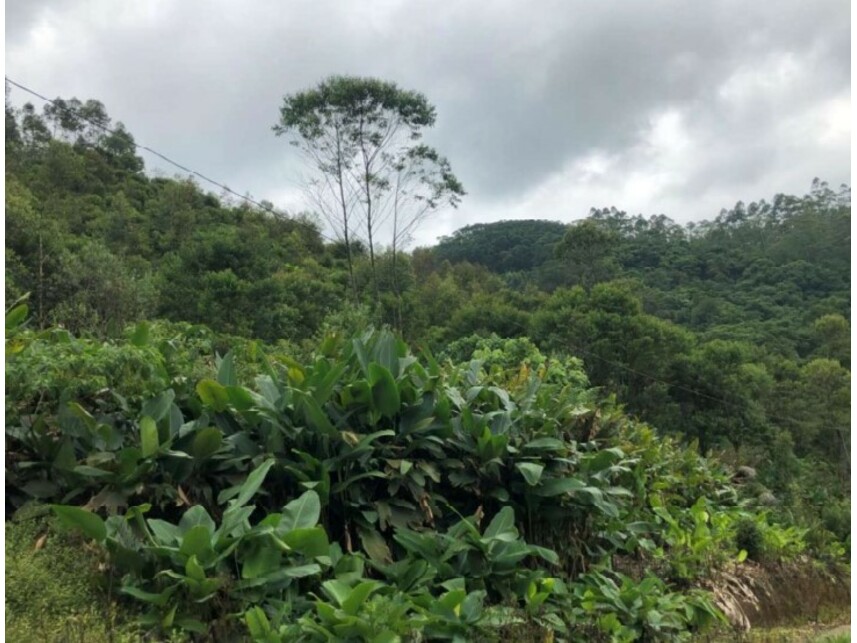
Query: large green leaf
213, 394
385, 391
86, 521
603, 459
310, 542
261, 560
196, 515
16, 316
206, 442
531, 471
83, 415
91, 472
471, 607
240, 398
257, 624
316, 417
269, 389
193, 569
165, 532
234, 518
375, 545
302, 512
160, 598
226, 370
559, 486
342, 486
386, 351
197, 542
192, 624
450, 601
159, 406
148, 437
251, 485
297, 571
502, 525
546, 444
547, 554
322, 390
416, 543
362, 357
337, 590
140, 336
358, 595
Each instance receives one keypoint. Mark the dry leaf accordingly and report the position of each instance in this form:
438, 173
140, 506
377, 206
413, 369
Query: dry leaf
183, 499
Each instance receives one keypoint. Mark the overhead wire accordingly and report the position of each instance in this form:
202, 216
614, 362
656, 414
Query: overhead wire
165, 158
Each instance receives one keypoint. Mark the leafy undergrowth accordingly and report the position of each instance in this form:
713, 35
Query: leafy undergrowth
367, 493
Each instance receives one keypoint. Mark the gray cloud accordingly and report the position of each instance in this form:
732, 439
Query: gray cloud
526, 95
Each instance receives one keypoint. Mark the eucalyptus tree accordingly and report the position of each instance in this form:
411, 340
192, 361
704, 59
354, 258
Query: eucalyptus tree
361, 137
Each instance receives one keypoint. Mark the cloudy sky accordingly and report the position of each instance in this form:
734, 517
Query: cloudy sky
544, 109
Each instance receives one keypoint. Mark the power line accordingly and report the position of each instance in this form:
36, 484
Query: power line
163, 157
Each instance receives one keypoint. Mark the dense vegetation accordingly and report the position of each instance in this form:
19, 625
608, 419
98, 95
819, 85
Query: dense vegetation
602, 418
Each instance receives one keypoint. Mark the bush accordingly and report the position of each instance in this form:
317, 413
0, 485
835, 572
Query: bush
749, 537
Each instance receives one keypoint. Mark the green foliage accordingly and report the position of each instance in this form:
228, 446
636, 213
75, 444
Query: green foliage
428, 477
510, 362
361, 135
624, 349
88, 416
588, 250
503, 246
99, 244
731, 336
631, 610
748, 537
833, 333
244, 281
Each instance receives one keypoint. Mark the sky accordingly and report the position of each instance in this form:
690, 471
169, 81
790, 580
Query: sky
545, 109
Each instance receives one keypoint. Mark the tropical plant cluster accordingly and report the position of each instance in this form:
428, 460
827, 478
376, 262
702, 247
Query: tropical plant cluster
370, 494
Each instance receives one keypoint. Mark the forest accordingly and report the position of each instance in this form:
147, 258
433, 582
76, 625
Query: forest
247, 429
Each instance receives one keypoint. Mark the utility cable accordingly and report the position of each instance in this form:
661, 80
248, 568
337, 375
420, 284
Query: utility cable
163, 157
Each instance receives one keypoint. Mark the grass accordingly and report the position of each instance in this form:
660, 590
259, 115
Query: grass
54, 590
810, 633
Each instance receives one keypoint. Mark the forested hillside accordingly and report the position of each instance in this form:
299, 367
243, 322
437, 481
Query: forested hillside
169, 349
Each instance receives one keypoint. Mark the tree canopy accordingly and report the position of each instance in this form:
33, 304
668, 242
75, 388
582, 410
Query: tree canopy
361, 136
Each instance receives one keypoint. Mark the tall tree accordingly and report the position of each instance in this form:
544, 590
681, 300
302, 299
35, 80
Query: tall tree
361, 137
